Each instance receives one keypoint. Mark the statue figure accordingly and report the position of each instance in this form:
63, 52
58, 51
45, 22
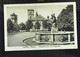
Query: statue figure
54, 25
53, 18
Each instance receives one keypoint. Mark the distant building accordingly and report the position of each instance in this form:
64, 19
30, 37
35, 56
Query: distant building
14, 18
37, 17
30, 13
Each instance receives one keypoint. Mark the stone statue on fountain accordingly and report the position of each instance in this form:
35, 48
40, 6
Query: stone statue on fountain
54, 25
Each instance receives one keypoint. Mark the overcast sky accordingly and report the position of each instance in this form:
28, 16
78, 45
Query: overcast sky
44, 10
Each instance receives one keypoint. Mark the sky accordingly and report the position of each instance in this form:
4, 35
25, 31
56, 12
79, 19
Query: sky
44, 10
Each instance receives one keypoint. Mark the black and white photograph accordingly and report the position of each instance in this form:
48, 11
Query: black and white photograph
40, 26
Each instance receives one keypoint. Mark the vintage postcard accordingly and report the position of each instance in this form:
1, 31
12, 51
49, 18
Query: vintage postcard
40, 26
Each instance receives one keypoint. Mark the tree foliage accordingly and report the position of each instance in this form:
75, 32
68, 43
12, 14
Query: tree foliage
37, 25
49, 25
44, 24
22, 26
10, 25
65, 19
29, 25
16, 27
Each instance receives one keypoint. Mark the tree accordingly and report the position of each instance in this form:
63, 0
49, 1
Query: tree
10, 25
49, 25
29, 25
22, 26
16, 27
37, 25
47, 17
44, 24
65, 19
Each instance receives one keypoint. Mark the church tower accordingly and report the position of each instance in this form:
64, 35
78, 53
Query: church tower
30, 13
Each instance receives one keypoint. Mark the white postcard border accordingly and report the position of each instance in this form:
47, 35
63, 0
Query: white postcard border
54, 47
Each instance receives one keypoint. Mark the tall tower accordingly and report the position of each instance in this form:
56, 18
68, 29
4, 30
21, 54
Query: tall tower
14, 18
30, 13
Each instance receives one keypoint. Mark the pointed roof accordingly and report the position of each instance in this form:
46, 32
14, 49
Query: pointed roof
39, 17
13, 14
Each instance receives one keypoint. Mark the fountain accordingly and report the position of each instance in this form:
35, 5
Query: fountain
54, 36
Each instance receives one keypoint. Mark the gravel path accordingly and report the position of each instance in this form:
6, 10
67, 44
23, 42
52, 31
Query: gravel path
15, 40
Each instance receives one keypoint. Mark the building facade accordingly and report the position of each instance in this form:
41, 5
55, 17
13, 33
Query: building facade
38, 18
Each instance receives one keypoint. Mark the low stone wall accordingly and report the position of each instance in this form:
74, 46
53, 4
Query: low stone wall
55, 37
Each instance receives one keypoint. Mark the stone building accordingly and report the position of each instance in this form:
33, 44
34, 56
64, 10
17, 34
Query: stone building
38, 18
30, 14
13, 17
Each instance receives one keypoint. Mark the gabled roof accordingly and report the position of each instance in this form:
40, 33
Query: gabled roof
39, 17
